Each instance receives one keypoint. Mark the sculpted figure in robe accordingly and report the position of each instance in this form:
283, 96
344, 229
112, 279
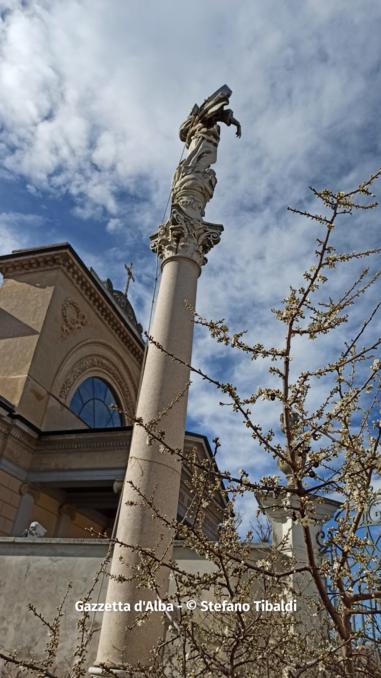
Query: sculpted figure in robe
194, 181
185, 233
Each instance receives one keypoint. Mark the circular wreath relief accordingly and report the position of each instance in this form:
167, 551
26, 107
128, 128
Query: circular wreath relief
73, 319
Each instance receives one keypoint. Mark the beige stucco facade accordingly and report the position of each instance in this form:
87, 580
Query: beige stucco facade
60, 325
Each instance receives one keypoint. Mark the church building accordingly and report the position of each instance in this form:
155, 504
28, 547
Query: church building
75, 371
71, 357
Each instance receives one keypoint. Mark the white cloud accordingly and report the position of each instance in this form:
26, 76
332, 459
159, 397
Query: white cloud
92, 93
91, 99
13, 230
114, 226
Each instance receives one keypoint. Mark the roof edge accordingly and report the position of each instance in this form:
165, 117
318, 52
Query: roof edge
58, 248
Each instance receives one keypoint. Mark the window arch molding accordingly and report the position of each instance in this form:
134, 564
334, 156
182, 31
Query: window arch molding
97, 366
97, 404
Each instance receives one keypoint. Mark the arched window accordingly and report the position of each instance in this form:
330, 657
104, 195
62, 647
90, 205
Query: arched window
94, 401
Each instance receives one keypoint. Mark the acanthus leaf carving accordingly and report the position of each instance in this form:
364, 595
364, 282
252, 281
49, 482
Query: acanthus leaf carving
186, 239
186, 233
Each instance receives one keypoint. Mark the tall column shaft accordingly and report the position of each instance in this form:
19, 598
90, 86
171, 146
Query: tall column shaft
155, 472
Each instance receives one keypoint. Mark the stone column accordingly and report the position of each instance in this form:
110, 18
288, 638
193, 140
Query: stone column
151, 469
288, 536
66, 516
154, 473
29, 496
289, 532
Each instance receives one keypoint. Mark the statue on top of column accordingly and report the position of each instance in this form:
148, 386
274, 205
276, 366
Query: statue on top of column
185, 233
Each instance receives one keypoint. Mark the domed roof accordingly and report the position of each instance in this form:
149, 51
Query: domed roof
123, 304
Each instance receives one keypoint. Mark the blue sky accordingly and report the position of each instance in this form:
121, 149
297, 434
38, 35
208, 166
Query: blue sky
92, 93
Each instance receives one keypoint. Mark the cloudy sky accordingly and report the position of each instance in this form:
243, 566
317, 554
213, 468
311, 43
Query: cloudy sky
92, 93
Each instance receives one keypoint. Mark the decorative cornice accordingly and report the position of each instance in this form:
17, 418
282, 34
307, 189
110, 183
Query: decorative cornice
85, 476
24, 439
91, 444
63, 256
5, 426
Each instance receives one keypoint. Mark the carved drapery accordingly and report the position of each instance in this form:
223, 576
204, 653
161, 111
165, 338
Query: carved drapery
185, 233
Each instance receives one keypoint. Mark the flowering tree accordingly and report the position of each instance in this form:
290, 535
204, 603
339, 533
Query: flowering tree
327, 447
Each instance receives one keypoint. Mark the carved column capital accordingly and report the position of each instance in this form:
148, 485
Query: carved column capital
192, 240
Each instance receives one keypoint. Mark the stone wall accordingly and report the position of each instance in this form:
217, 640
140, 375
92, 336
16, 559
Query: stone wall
37, 571
9, 501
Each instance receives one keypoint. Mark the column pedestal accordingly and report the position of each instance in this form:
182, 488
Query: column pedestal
287, 531
287, 534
